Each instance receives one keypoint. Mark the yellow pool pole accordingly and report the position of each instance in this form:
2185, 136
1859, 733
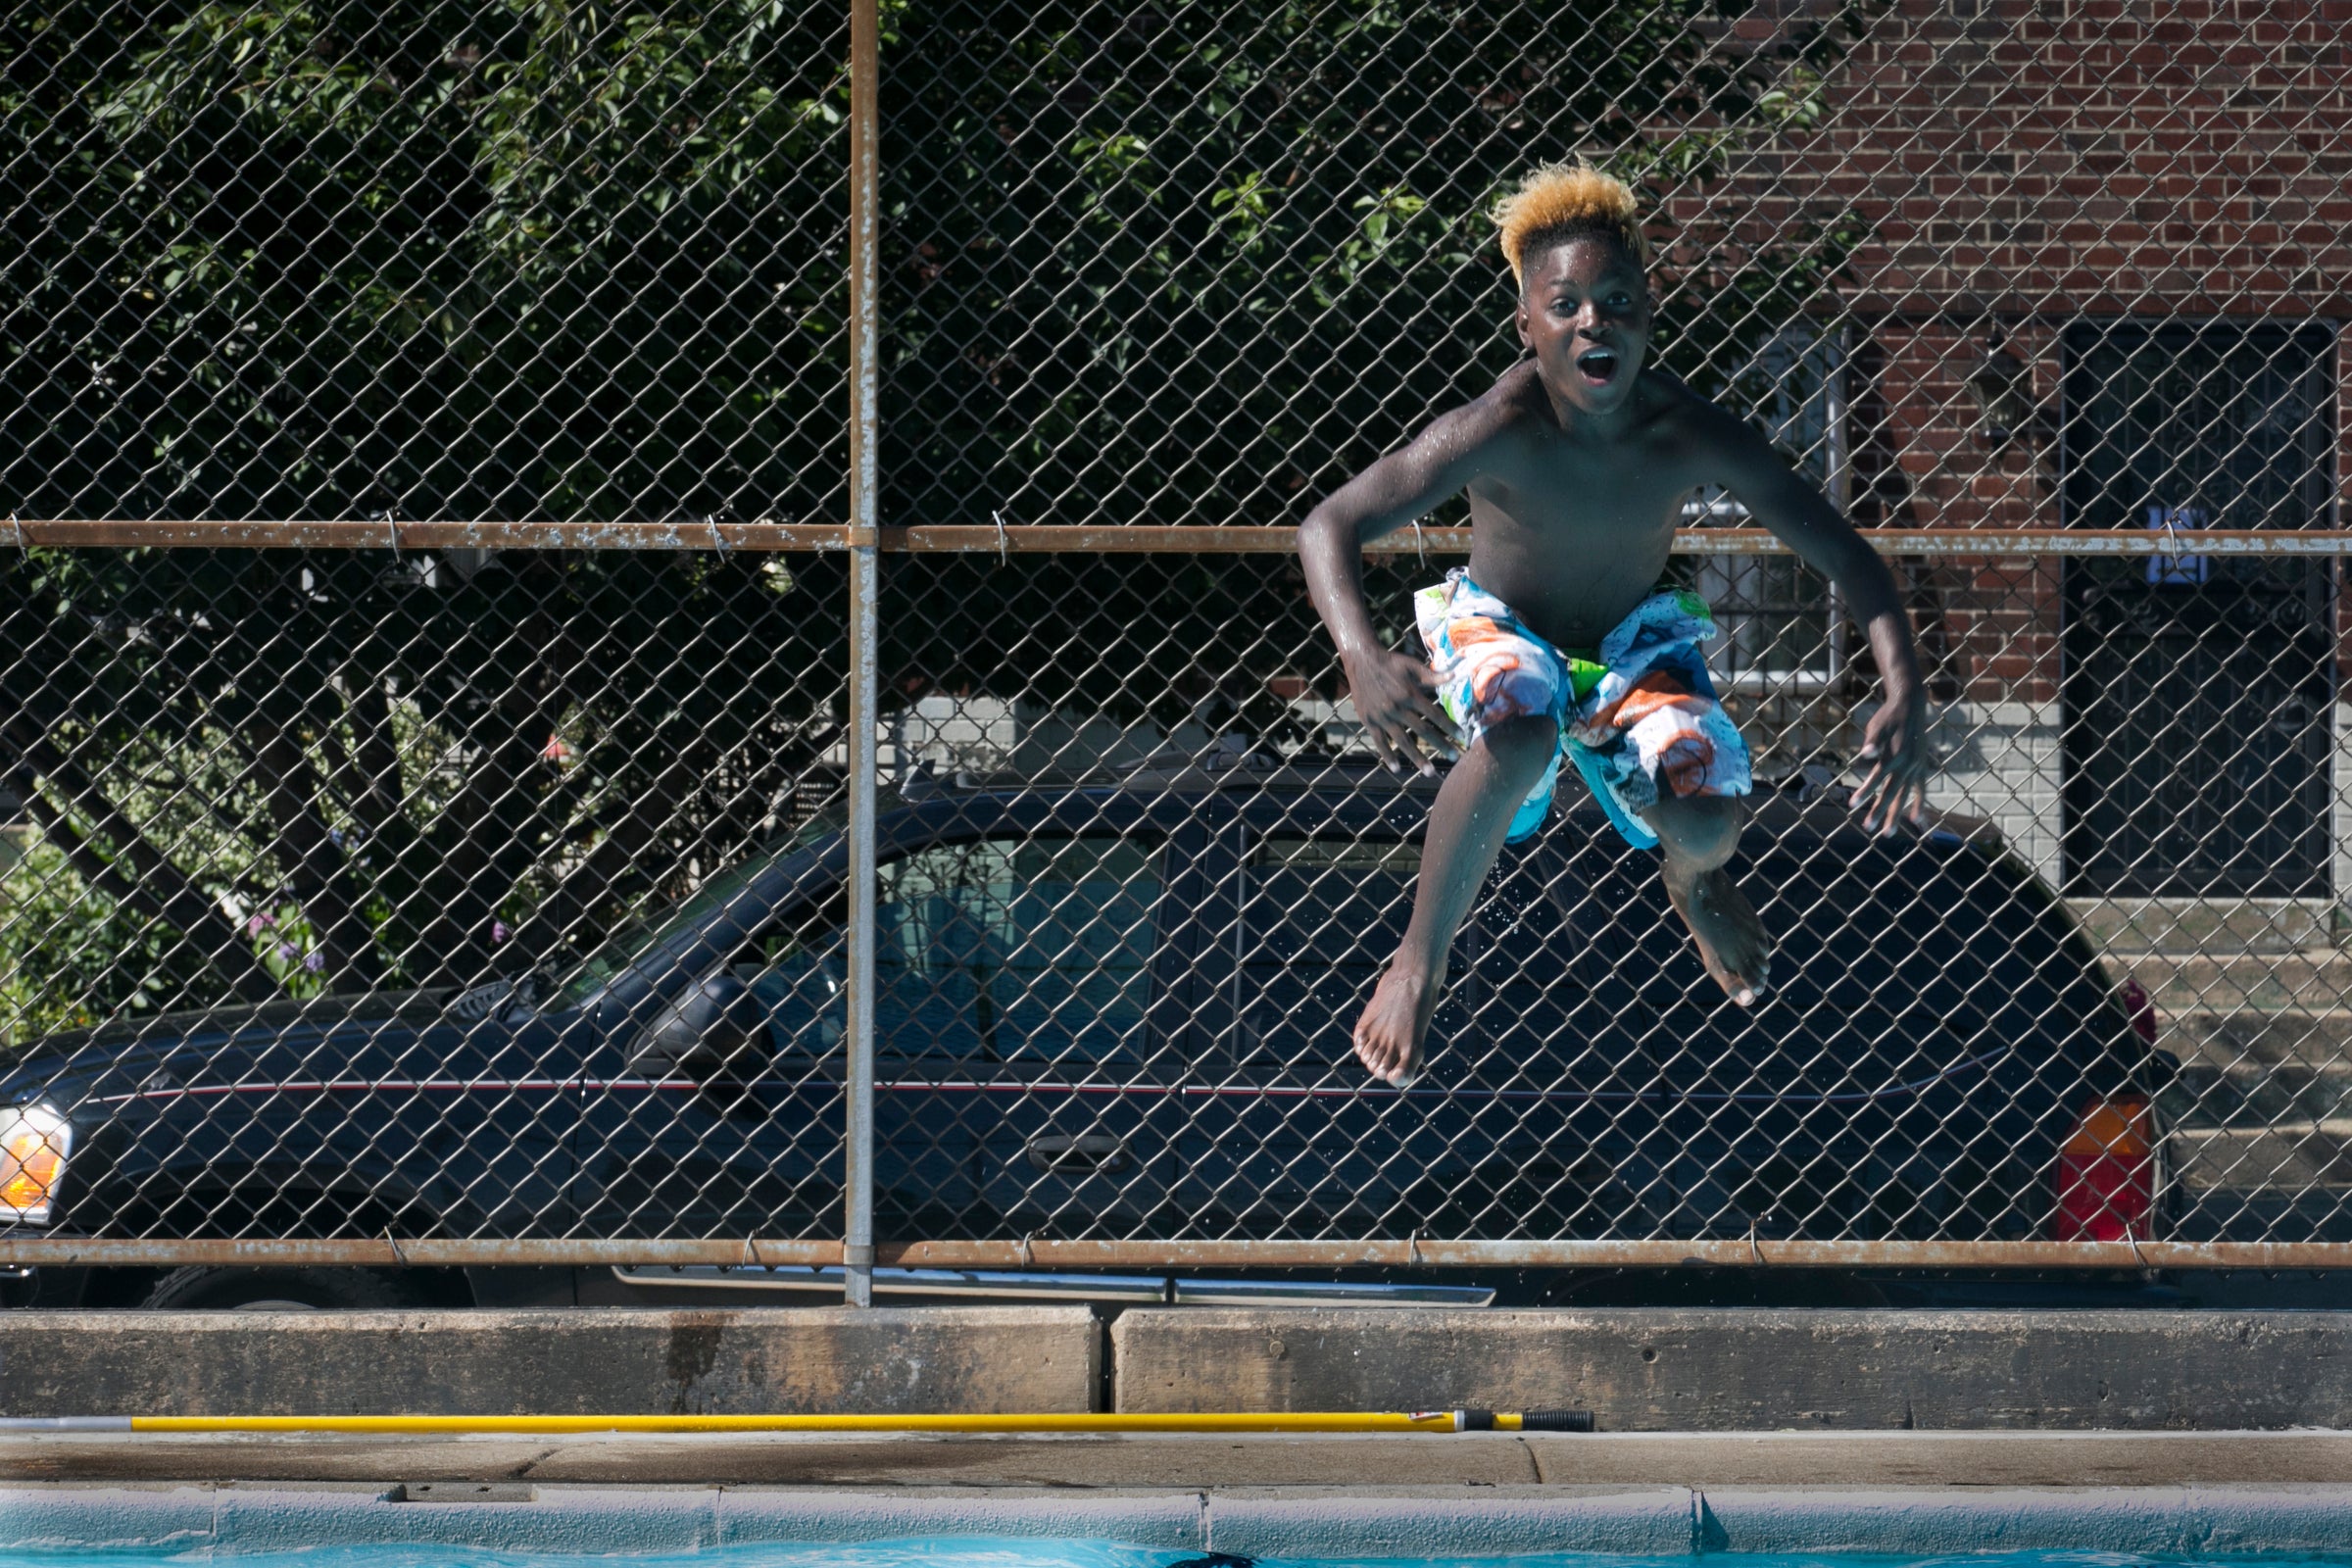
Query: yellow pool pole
461, 1425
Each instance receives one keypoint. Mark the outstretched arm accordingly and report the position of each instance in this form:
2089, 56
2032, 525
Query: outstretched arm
1394, 693
1896, 740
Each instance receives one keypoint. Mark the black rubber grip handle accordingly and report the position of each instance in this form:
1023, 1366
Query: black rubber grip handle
1556, 1420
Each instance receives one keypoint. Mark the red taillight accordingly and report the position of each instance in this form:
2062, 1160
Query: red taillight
2106, 1176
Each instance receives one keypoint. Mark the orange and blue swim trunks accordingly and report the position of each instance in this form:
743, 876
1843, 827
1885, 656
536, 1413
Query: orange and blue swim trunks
1638, 716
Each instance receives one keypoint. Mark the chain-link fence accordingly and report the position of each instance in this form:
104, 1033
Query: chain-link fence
469, 799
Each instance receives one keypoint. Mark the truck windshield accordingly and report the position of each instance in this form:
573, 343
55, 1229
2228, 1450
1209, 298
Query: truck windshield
653, 925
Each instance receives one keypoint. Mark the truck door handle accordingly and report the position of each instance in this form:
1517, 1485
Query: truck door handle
1058, 1154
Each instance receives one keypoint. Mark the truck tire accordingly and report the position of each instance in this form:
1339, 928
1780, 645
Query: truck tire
282, 1289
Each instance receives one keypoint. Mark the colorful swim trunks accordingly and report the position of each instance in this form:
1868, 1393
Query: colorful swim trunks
1638, 716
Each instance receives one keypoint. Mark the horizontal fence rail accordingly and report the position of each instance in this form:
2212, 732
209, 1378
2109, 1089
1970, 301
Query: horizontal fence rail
782, 538
385, 1253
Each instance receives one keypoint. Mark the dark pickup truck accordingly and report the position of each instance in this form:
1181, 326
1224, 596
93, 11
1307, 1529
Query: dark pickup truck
1122, 1010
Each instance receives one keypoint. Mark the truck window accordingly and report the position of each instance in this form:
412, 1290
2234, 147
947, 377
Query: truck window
1000, 949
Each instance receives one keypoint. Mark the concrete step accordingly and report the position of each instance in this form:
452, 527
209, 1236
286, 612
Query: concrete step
2179, 983
2286, 1157
2259, 1037
582, 1360
1747, 1368
2253, 1068
2264, 1100
2285, 1096
2205, 925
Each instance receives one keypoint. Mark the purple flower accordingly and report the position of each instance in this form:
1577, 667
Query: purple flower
499, 931
287, 951
314, 962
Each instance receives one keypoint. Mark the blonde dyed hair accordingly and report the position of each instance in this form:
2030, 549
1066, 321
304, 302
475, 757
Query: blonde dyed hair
1564, 200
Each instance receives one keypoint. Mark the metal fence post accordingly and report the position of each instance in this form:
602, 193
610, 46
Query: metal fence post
858, 1153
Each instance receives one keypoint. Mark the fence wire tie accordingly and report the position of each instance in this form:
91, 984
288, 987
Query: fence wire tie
1028, 1258
2172, 535
399, 1257
719, 541
1420, 544
1755, 1250
1003, 545
19, 529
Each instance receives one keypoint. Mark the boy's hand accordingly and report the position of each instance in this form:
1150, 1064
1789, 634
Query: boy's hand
1896, 740
1397, 697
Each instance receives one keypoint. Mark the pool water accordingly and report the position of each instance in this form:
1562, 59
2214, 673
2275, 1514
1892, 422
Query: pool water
985, 1554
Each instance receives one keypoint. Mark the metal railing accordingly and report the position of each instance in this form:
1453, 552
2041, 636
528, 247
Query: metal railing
377, 853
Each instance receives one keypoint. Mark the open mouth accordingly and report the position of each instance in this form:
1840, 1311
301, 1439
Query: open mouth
1598, 367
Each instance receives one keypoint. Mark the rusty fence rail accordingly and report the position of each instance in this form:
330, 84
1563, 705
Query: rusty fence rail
948, 539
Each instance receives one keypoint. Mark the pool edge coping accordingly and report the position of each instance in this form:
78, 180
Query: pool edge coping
1291, 1522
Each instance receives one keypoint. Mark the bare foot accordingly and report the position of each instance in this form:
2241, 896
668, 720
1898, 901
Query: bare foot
1388, 1036
1731, 940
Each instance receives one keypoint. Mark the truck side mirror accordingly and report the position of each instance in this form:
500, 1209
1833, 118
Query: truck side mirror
715, 1034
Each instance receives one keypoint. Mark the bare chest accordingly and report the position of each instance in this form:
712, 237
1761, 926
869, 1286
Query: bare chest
1574, 552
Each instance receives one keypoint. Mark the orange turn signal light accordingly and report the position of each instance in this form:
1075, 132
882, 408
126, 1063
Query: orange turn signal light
34, 1143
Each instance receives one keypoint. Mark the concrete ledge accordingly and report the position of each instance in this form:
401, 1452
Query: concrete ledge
1638, 1371
1731, 1370
769, 1360
1507, 1521
577, 1519
590, 1520
1664, 1522
2155, 1522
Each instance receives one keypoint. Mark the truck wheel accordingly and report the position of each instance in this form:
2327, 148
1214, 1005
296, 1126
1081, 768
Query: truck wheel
281, 1290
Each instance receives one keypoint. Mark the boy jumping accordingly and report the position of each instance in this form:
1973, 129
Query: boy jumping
1576, 463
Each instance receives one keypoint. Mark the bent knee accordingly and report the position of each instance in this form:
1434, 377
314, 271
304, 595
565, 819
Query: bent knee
1524, 744
1702, 829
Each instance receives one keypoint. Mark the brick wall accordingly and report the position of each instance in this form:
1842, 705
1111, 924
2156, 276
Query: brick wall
2020, 161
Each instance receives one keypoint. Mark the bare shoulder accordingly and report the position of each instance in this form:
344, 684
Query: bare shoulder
1697, 427
1493, 418
1678, 408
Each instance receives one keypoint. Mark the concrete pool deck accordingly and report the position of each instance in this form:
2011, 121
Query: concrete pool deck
1380, 1462
1657, 1493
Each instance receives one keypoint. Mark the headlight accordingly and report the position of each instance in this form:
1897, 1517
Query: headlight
34, 1140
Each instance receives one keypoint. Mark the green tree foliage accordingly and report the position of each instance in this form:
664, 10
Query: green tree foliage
378, 767
510, 261
68, 958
